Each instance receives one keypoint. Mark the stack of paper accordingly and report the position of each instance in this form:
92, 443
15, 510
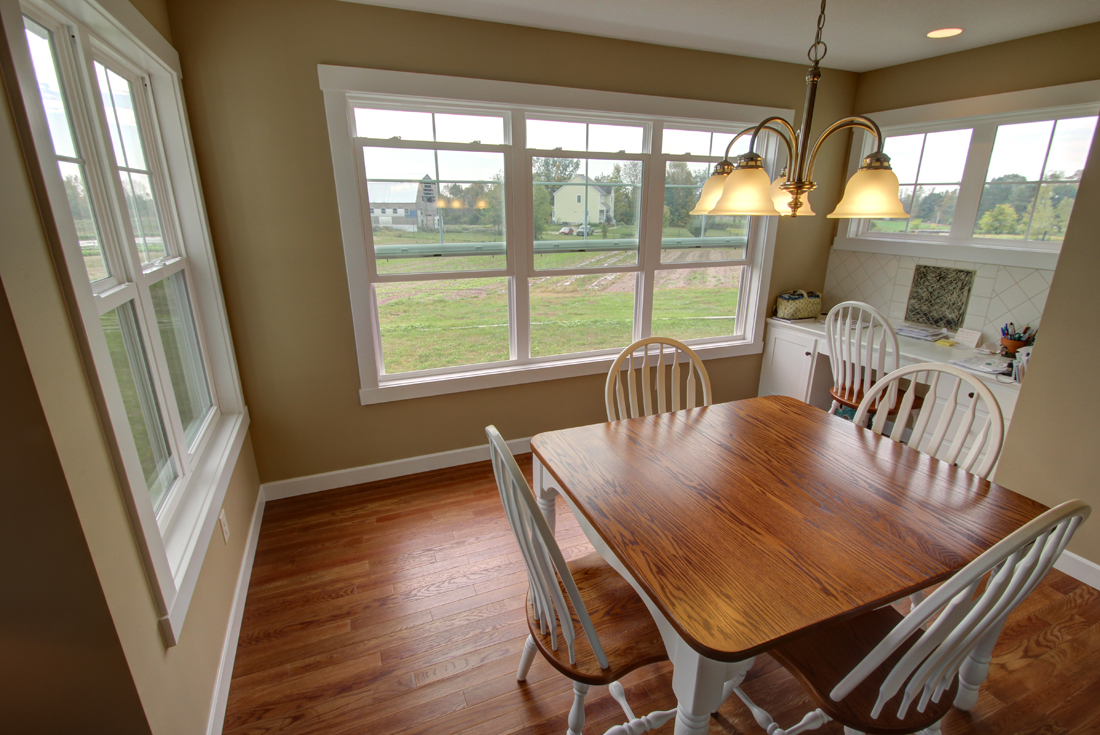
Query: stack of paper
928, 333
991, 365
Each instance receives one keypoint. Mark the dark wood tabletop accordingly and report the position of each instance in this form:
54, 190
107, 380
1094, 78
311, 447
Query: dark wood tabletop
751, 523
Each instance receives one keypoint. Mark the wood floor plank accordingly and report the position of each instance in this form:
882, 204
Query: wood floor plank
398, 607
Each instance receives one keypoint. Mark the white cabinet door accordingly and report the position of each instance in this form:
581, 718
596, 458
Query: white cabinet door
788, 364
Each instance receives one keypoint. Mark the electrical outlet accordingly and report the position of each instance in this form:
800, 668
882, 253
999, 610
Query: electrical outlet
225, 525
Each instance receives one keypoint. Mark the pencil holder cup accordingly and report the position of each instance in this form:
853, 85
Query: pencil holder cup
1009, 346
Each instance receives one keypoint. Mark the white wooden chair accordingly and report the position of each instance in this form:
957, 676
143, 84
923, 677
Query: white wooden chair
862, 349
619, 634
881, 672
932, 422
648, 378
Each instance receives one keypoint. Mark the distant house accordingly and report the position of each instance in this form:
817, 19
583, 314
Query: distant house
570, 201
410, 216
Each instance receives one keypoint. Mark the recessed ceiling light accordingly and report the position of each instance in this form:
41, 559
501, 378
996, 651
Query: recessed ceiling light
945, 32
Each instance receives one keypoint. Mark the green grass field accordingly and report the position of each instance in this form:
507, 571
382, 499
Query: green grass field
432, 324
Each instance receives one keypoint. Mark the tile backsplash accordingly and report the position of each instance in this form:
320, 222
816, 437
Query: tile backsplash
999, 294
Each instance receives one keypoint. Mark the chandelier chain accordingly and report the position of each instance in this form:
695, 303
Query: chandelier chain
819, 48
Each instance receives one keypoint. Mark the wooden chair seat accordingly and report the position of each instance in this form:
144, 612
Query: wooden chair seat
587, 620
889, 674
626, 629
820, 660
852, 399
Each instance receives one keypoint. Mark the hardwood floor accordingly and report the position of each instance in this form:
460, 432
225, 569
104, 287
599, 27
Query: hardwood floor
397, 607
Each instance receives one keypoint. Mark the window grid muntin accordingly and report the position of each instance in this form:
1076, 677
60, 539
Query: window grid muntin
149, 139
586, 185
365, 207
518, 241
1038, 183
982, 125
144, 275
128, 285
79, 126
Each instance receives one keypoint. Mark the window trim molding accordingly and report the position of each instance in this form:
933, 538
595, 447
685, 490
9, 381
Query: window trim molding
1079, 97
340, 84
172, 556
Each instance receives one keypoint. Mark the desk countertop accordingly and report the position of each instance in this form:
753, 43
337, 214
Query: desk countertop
911, 350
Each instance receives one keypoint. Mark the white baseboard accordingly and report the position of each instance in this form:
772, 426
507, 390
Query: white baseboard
1079, 568
383, 470
233, 633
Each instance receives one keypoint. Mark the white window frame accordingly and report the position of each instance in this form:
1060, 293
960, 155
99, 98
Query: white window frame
983, 115
173, 541
343, 87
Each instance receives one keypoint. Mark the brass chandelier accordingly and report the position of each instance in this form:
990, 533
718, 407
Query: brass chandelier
744, 187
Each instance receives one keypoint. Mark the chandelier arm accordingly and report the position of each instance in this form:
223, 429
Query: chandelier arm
786, 125
736, 138
856, 121
786, 142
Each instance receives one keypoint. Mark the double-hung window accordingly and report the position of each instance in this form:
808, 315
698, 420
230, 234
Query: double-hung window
493, 240
110, 135
995, 187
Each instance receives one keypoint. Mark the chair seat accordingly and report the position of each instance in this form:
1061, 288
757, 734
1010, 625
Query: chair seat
623, 624
821, 659
852, 399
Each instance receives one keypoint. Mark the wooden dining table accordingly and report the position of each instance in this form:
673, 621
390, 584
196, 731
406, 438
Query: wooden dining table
743, 525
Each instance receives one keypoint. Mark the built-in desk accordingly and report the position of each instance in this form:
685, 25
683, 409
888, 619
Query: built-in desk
796, 364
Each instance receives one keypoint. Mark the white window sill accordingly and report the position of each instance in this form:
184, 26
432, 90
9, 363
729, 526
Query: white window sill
187, 534
993, 252
400, 389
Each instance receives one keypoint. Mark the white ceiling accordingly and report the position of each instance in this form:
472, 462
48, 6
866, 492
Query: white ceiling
861, 34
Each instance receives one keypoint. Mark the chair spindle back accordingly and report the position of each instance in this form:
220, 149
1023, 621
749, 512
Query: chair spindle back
932, 422
541, 555
655, 375
966, 610
862, 348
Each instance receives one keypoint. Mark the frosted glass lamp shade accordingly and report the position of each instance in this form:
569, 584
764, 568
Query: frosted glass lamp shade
871, 193
782, 198
747, 191
712, 190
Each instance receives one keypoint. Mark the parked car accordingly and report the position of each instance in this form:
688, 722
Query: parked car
585, 230
565, 231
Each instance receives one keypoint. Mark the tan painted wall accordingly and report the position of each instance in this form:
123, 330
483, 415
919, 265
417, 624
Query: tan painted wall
1049, 452
175, 685
59, 643
156, 12
250, 75
1058, 57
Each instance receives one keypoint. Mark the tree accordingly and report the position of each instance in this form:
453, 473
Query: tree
680, 194
554, 170
1006, 190
543, 211
935, 207
492, 214
81, 210
1001, 220
1052, 210
628, 176
927, 204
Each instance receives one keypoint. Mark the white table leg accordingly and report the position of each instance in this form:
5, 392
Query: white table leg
547, 492
976, 668
699, 684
